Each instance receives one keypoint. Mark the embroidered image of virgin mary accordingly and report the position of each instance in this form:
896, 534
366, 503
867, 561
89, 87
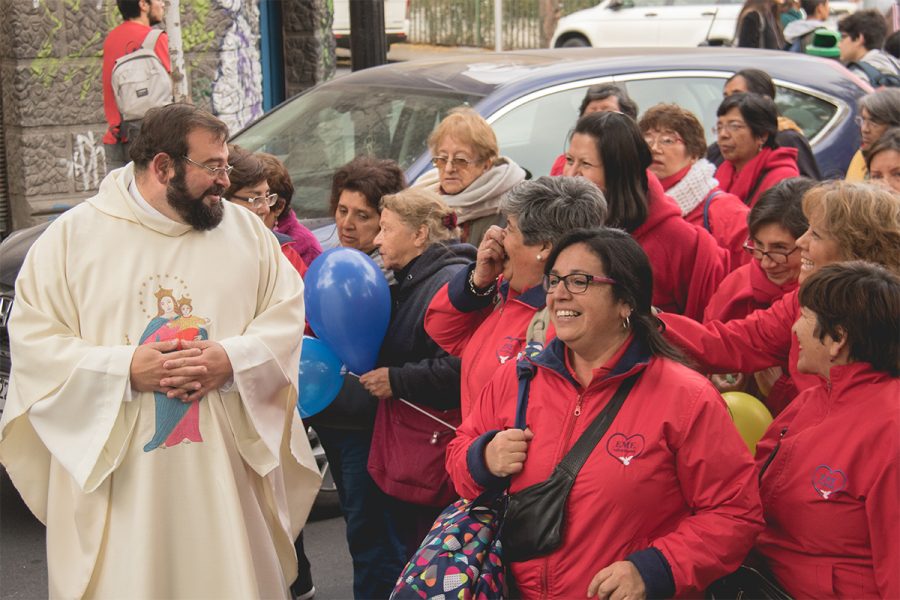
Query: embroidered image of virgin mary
176, 421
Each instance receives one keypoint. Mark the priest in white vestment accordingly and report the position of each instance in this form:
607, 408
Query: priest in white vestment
151, 421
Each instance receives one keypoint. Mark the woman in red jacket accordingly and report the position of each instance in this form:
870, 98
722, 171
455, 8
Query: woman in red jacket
609, 150
485, 313
829, 463
668, 501
847, 221
745, 130
675, 137
775, 223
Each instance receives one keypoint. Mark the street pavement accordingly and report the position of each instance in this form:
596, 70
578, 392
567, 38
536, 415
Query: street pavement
23, 560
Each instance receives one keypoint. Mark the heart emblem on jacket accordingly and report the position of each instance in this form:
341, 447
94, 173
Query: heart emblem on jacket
625, 448
827, 481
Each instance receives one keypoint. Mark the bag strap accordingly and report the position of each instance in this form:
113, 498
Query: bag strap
871, 72
150, 41
706, 204
755, 187
525, 372
578, 454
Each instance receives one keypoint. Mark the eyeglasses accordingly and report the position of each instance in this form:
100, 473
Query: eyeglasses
576, 283
779, 258
214, 171
664, 141
730, 126
860, 121
458, 163
269, 199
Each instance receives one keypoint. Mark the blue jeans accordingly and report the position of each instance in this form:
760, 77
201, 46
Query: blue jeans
378, 554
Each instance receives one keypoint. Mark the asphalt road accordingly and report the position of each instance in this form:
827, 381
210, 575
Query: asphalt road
23, 563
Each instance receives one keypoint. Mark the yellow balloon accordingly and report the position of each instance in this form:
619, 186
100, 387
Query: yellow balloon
750, 416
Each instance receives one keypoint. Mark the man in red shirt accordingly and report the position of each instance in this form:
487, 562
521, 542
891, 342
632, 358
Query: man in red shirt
139, 16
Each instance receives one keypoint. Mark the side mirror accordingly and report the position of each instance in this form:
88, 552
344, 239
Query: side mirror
615, 4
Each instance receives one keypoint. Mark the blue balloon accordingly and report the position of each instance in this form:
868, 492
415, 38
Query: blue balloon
320, 377
348, 305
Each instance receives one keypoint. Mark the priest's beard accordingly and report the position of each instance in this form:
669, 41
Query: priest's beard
194, 210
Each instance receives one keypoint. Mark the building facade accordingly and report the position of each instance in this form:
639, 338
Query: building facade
241, 56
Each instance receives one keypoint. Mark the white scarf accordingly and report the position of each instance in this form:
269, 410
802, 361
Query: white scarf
694, 187
482, 197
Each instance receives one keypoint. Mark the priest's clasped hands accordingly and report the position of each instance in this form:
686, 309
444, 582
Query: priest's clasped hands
186, 370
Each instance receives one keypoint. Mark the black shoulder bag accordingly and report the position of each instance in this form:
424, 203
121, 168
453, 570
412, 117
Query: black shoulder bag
533, 524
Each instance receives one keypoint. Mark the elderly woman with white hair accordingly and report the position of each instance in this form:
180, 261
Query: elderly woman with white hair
417, 383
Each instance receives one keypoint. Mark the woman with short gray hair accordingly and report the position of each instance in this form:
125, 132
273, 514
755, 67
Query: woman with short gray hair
878, 112
462, 318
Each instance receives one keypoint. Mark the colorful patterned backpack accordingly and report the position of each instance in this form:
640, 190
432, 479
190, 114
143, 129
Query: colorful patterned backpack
461, 557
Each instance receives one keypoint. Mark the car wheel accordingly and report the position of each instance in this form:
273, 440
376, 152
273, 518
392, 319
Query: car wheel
576, 41
327, 503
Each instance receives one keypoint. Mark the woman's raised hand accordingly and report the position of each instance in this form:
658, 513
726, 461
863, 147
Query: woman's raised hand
505, 454
491, 255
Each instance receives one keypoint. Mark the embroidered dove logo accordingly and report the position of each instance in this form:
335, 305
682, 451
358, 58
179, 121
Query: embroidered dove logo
827, 481
625, 448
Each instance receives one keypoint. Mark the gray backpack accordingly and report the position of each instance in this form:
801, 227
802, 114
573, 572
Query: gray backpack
140, 81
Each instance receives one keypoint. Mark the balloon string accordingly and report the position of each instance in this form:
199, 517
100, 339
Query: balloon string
424, 412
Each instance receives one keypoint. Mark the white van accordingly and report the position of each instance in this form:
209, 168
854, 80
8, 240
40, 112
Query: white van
396, 21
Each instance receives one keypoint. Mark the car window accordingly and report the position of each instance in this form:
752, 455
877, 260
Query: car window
534, 133
702, 96
699, 94
812, 114
318, 132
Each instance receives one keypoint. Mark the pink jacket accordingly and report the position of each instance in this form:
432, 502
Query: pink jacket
670, 487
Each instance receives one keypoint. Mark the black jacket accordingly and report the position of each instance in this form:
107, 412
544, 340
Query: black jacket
419, 370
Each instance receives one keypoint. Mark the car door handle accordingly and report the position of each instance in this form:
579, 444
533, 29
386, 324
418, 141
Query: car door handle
709, 13
650, 15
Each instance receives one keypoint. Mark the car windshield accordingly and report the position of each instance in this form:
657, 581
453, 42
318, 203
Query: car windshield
319, 131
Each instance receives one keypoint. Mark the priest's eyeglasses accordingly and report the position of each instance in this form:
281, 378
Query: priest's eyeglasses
576, 283
269, 200
214, 171
776, 256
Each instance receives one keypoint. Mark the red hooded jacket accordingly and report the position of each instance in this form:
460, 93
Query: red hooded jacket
670, 487
485, 332
745, 290
688, 264
725, 219
766, 169
830, 488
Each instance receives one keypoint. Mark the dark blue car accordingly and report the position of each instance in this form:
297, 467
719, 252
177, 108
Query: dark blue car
531, 99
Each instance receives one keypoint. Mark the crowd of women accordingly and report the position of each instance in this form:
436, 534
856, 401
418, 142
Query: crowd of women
645, 257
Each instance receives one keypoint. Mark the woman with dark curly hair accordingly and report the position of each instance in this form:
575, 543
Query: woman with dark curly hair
829, 472
675, 137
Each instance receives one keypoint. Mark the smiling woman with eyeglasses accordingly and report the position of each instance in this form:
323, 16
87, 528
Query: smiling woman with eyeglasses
250, 189
469, 172
775, 223
669, 469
